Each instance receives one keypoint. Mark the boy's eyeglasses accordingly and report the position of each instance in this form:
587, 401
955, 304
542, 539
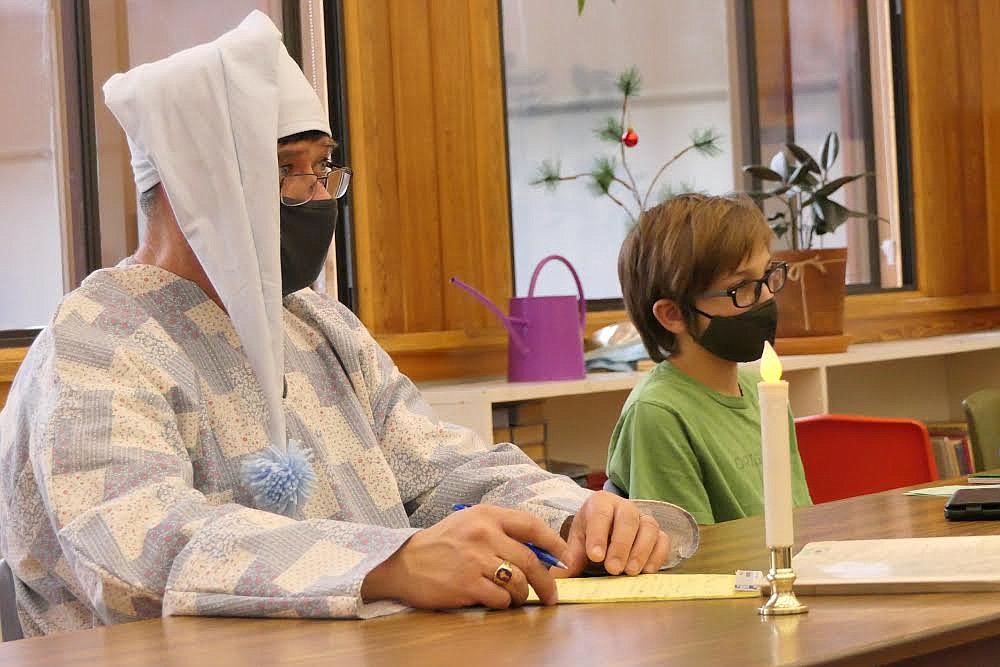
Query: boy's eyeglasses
747, 293
298, 189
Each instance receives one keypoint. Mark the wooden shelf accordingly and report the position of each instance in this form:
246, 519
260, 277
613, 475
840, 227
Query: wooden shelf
924, 378
498, 390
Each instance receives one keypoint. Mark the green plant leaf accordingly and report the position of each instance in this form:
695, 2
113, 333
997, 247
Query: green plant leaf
860, 214
763, 173
548, 174
768, 194
611, 131
804, 158
828, 215
835, 185
778, 224
602, 175
779, 165
706, 141
806, 182
579, 7
831, 148
629, 82
800, 176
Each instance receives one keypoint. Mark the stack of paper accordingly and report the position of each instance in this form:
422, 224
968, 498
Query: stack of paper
908, 565
647, 588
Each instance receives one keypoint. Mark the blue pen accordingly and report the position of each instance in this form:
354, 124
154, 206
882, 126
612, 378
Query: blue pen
542, 554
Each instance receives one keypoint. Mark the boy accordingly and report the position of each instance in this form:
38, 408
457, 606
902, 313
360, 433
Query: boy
698, 283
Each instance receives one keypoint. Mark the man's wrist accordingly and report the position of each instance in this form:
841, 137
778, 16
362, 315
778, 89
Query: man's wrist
375, 586
381, 581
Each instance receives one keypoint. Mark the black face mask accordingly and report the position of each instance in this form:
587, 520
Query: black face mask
306, 232
740, 337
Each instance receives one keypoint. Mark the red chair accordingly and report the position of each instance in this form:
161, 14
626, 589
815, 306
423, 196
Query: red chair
849, 455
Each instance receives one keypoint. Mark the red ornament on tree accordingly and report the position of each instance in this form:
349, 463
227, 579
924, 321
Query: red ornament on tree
630, 138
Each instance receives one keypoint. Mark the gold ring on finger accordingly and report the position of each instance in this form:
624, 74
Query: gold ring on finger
503, 574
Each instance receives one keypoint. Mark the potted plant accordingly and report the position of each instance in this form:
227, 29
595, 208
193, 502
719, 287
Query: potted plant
611, 176
812, 302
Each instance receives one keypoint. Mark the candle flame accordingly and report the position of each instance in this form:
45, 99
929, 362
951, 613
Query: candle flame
770, 365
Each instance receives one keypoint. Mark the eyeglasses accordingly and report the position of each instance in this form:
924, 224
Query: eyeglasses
747, 293
298, 189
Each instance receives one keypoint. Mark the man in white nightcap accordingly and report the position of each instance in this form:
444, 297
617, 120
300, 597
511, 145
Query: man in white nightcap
198, 432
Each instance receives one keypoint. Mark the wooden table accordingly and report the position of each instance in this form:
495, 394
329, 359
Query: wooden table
930, 629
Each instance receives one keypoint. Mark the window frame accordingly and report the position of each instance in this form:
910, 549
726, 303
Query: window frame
78, 144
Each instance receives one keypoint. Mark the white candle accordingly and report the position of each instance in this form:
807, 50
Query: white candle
777, 463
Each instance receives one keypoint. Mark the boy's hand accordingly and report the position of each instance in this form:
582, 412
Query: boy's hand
611, 530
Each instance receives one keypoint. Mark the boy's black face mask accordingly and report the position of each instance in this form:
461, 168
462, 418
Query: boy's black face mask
740, 337
306, 232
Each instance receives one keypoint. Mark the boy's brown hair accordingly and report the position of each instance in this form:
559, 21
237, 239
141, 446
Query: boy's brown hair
677, 250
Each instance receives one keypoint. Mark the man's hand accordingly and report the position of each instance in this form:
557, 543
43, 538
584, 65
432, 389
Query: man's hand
611, 530
452, 564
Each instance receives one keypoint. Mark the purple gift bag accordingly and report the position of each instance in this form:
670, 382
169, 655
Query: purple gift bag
546, 332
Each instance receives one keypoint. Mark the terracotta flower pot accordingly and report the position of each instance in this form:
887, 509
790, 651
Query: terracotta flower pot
812, 302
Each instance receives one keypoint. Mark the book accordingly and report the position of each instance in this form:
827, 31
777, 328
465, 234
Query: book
947, 427
944, 457
501, 434
958, 432
962, 455
529, 412
501, 416
906, 565
984, 478
530, 434
535, 452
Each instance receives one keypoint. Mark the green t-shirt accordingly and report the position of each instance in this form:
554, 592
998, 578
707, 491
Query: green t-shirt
679, 441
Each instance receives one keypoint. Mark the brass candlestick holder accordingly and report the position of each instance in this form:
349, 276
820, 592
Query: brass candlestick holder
782, 579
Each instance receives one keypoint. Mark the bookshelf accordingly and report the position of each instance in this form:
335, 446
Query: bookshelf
924, 378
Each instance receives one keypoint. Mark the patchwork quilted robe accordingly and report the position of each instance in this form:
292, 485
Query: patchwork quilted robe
124, 434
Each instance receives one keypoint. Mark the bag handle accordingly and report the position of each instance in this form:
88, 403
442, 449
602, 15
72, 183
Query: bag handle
579, 285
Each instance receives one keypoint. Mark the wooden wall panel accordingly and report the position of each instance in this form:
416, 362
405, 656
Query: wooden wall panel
417, 167
372, 123
973, 159
492, 178
949, 187
425, 98
989, 26
455, 83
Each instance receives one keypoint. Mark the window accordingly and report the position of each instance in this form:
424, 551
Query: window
67, 197
759, 72
122, 36
33, 269
817, 67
